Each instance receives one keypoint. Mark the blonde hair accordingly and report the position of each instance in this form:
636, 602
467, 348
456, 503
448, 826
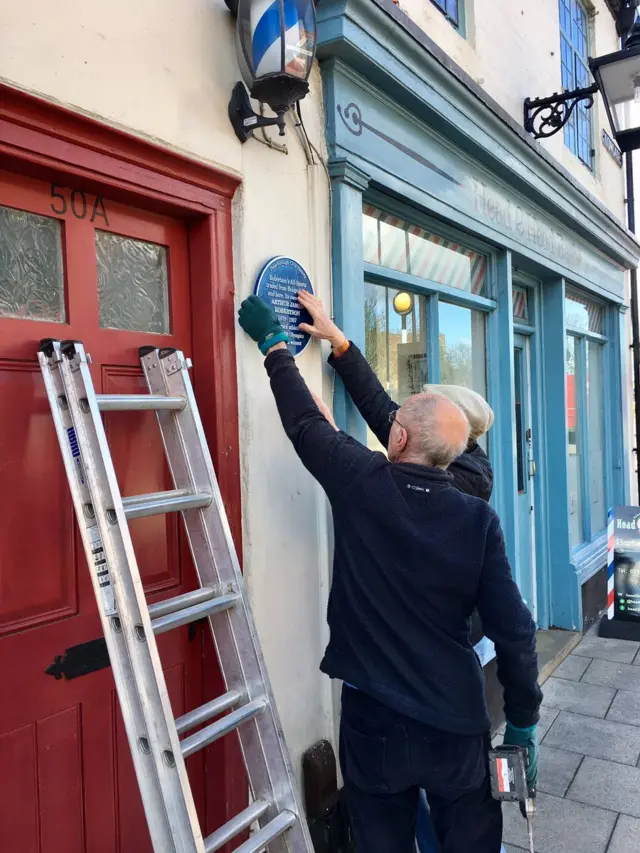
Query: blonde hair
479, 413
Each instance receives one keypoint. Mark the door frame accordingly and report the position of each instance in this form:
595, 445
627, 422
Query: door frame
53, 143
524, 344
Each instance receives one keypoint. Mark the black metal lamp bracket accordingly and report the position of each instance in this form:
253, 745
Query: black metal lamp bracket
244, 119
543, 117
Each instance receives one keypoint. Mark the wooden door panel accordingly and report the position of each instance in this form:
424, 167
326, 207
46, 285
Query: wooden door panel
41, 811
37, 570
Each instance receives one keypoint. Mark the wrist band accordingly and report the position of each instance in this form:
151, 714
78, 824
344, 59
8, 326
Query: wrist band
338, 351
279, 337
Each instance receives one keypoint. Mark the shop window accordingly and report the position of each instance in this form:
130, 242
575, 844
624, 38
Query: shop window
462, 347
585, 418
397, 245
451, 9
574, 59
398, 348
520, 299
396, 339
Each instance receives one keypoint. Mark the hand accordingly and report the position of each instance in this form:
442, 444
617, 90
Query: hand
527, 738
324, 409
260, 323
323, 329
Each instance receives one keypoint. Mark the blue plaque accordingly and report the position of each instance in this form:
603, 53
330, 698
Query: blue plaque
278, 285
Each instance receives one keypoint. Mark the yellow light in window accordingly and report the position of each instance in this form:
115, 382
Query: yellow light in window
402, 303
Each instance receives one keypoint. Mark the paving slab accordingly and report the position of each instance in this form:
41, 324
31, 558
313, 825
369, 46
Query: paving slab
626, 838
561, 826
557, 770
606, 784
572, 668
637, 660
589, 699
594, 737
511, 849
621, 676
604, 648
625, 708
547, 717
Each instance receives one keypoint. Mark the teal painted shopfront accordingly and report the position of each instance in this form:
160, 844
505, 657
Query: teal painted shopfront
516, 283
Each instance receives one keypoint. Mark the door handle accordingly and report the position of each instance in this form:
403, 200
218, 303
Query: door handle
533, 468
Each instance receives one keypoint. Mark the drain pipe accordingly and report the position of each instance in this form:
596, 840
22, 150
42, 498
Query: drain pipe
635, 325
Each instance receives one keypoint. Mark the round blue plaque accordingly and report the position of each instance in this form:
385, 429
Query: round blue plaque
278, 284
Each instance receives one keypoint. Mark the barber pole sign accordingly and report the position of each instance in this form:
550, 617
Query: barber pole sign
611, 565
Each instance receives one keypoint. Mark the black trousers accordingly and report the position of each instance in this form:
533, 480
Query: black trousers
386, 758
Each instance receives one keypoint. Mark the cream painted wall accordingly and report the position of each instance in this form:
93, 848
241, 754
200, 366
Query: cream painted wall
512, 50
164, 69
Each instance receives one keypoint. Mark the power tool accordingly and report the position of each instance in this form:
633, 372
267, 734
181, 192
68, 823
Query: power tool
508, 768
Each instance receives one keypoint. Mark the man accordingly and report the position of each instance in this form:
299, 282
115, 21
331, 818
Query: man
413, 558
471, 472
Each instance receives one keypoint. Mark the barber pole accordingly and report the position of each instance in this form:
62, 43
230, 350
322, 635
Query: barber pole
282, 27
610, 566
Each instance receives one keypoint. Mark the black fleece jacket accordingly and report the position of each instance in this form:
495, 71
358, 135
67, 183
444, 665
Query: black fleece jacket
413, 558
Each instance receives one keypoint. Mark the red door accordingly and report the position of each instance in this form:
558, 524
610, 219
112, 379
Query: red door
73, 265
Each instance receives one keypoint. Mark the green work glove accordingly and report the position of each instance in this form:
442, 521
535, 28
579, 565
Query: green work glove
260, 323
527, 738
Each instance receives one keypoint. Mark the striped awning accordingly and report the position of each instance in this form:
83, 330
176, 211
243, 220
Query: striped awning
396, 244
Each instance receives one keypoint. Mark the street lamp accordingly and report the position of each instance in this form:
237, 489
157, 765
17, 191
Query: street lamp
275, 45
617, 76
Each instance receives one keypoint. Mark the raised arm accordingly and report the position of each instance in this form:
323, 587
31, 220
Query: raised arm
508, 622
331, 456
363, 386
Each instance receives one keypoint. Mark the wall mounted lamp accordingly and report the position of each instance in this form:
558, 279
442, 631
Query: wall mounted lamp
275, 46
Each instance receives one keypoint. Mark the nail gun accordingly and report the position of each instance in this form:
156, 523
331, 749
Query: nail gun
508, 767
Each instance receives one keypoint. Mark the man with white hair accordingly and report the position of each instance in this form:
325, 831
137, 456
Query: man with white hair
413, 557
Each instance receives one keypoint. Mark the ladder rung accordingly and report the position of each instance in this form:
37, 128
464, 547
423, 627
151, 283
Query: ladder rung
235, 826
274, 829
192, 614
139, 402
178, 602
222, 727
211, 709
139, 506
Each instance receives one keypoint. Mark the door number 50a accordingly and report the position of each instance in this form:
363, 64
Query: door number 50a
77, 202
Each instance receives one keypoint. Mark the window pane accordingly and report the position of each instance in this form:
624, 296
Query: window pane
574, 440
449, 7
462, 347
401, 246
394, 252
133, 284
518, 366
31, 269
520, 299
395, 342
583, 315
370, 236
596, 438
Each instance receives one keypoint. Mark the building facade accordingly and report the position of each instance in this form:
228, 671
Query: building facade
131, 214
513, 253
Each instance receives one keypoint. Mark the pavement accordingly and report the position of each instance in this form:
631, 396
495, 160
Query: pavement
589, 785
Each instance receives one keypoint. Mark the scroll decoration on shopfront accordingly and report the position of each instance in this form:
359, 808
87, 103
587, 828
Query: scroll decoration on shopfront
351, 116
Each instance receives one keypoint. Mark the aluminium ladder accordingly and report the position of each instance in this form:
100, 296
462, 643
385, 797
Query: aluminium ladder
130, 625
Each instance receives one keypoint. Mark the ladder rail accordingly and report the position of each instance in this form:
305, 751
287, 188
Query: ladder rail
234, 632
162, 737
106, 598
130, 624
